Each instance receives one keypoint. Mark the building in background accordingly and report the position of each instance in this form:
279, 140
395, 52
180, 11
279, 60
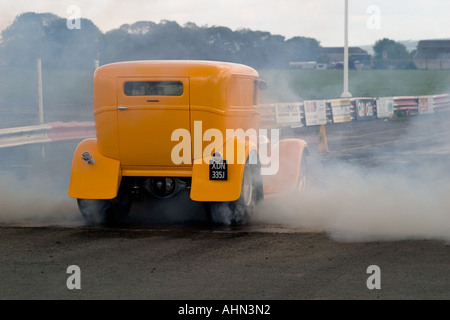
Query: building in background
358, 58
305, 65
433, 55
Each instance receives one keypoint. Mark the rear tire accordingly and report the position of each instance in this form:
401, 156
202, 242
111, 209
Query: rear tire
238, 212
106, 211
303, 179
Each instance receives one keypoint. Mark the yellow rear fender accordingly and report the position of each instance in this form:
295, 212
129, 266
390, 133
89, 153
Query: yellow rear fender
290, 164
204, 189
98, 178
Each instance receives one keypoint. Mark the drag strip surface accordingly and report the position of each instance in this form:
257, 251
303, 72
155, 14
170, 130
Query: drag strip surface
200, 264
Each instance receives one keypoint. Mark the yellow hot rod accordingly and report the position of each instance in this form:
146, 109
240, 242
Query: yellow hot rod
165, 126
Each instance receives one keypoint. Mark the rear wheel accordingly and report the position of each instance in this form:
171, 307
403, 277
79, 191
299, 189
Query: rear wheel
238, 212
303, 180
106, 211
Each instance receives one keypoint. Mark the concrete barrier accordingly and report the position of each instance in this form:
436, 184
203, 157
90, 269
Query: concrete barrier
55, 131
441, 102
406, 106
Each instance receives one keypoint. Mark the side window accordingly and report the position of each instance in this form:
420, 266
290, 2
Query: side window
153, 88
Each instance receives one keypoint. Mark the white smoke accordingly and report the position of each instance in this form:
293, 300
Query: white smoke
405, 199
32, 199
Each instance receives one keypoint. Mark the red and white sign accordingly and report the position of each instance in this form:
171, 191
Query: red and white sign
315, 112
426, 104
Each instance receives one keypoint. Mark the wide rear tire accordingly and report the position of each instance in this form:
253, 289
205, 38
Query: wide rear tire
106, 211
303, 180
239, 212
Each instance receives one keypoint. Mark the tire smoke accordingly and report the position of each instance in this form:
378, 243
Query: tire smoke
28, 200
402, 194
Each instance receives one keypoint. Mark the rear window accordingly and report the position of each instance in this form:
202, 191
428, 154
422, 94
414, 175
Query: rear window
153, 88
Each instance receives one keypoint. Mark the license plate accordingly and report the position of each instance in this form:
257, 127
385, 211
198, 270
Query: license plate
218, 170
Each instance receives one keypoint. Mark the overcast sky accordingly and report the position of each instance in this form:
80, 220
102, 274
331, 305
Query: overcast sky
370, 20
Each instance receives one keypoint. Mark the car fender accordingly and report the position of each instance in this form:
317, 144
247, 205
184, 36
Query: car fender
97, 180
203, 189
289, 165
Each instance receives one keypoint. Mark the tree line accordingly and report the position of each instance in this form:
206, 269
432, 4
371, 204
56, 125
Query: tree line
47, 37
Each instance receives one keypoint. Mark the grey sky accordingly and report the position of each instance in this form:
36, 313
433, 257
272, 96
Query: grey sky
370, 20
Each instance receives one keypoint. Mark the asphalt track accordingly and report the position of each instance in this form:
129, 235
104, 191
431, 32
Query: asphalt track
172, 252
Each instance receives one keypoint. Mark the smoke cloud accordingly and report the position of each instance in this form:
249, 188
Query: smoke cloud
399, 193
33, 184
26, 200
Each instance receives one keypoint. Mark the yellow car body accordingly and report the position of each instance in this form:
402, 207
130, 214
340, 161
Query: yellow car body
143, 112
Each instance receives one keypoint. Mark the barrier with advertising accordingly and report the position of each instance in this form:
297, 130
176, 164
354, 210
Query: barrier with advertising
267, 116
365, 108
406, 106
341, 110
329, 115
385, 107
441, 102
289, 114
315, 112
425, 104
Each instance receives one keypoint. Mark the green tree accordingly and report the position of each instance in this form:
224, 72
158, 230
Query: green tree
45, 36
303, 49
390, 54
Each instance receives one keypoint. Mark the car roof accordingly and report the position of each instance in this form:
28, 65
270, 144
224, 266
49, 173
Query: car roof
175, 68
